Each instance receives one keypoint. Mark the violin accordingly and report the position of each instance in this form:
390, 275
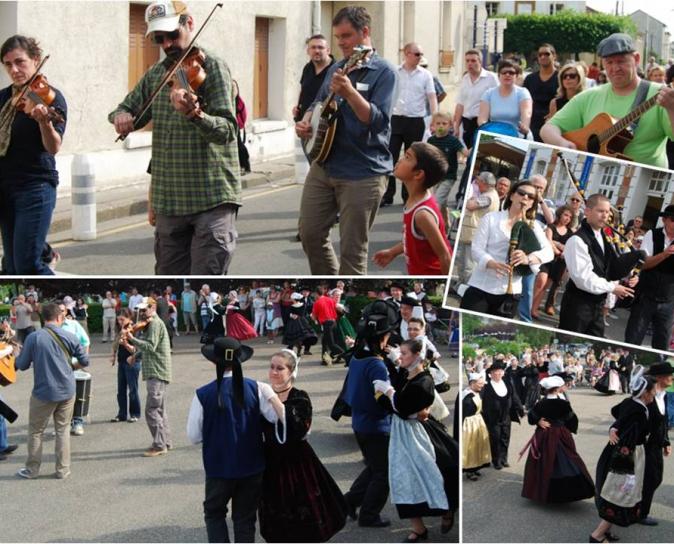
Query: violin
37, 91
191, 74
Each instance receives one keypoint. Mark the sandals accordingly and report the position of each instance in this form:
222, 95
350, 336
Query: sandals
417, 536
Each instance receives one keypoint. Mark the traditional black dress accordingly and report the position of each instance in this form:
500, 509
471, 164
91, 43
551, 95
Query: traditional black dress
554, 471
657, 440
410, 465
297, 331
623, 463
498, 412
300, 502
532, 389
514, 377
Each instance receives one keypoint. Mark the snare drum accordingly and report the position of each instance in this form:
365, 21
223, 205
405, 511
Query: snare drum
82, 393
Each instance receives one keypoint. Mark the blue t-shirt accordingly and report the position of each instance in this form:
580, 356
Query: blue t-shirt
366, 415
27, 160
505, 109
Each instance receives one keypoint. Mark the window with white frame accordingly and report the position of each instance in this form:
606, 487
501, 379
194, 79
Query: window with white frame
556, 8
609, 184
660, 182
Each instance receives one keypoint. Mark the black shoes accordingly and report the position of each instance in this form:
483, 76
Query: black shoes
9, 449
376, 522
506, 464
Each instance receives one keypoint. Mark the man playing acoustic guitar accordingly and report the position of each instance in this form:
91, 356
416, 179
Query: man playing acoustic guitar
620, 60
351, 181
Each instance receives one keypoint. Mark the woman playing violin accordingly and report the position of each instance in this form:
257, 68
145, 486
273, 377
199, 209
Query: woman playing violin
30, 135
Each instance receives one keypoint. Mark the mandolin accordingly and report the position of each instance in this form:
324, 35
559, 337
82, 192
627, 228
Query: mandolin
606, 135
324, 115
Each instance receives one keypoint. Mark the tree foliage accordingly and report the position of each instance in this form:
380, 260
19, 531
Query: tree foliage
568, 31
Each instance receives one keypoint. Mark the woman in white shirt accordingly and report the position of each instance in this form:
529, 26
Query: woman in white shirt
488, 283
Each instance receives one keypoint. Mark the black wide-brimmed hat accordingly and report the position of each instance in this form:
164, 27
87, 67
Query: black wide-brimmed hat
379, 317
660, 369
496, 365
668, 211
410, 301
226, 350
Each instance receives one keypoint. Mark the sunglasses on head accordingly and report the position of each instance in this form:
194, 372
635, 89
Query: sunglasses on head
508, 73
570, 76
526, 194
159, 38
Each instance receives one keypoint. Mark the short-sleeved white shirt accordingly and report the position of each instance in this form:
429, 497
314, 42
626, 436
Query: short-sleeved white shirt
413, 90
471, 92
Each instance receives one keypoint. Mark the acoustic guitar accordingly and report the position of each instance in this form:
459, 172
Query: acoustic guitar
324, 116
7, 368
606, 135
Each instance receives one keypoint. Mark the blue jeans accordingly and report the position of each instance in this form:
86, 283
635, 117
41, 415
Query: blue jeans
127, 377
524, 307
205, 320
669, 398
26, 212
3, 433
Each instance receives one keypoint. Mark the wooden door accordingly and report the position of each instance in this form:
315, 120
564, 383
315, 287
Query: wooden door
143, 53
261, 69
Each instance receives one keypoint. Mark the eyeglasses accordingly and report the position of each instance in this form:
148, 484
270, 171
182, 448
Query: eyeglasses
526, 194
419, 54
570, 76
544, 54
172, 36
508, 73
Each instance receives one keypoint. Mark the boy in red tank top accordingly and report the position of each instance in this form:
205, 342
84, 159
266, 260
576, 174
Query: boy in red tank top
426, 249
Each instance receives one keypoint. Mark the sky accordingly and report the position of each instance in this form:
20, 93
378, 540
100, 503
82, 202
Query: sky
663, 10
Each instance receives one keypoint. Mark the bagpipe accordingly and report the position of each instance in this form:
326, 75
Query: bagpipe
629, 261
522, 237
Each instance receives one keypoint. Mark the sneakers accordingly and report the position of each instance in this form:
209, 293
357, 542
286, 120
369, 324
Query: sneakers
154, 452
25, 473
61, 475
77, 430
132, 419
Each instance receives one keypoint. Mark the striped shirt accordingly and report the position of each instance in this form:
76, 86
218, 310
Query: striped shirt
195, 164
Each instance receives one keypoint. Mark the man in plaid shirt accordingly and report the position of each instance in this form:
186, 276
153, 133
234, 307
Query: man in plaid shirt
195, 190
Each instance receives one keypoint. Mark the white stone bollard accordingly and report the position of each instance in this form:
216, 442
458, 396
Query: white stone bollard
301, 162
83, 198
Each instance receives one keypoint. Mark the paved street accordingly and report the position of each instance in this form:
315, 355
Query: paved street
116, 495
267, 226
494, 511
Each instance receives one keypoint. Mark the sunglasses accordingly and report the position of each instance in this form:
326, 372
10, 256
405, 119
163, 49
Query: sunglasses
508, 73
526, 194
570, 76
575, 200
544, 54
418, 54
172, 36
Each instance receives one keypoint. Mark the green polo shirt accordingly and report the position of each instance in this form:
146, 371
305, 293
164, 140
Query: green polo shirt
650, 139
195, 163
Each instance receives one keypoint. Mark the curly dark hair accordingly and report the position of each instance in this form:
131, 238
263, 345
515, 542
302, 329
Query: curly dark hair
29, 45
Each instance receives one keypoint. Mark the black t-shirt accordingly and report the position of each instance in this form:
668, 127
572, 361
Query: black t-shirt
450, 146
310, 83
27, 160
542, 92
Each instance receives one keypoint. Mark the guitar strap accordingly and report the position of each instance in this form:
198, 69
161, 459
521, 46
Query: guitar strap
63, 347
642, 92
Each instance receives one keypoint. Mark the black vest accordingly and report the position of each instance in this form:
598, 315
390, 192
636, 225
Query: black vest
658, 283
602, 262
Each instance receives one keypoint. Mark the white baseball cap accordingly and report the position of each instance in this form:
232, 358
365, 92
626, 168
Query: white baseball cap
164, 16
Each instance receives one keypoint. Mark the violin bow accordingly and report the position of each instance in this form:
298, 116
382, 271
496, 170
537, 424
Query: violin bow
169, 75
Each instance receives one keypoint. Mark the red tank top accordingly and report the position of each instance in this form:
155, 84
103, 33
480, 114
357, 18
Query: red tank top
419, 255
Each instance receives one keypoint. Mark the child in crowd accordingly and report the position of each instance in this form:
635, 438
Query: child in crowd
451, 146
272, 323
425, 246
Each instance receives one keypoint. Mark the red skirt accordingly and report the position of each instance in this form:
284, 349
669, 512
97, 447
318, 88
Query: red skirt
239, 327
